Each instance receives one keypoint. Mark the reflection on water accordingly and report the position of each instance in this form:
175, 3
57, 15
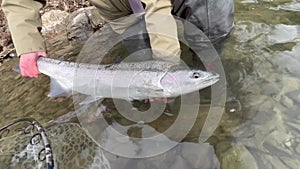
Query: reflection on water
260, 128
267, 81
268, 93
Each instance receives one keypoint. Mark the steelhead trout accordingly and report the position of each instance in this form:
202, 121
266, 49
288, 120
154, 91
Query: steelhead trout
125, 80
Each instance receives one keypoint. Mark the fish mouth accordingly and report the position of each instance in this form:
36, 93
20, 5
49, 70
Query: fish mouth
214, 78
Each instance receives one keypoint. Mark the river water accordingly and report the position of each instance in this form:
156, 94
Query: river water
260, 126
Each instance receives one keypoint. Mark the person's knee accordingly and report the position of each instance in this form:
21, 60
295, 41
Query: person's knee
111, 9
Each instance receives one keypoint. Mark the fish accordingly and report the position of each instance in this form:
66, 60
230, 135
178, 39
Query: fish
124, 80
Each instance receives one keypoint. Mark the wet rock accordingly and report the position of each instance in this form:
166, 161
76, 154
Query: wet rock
65, 5
238, 157
222, 147
294, 95
293, 6
74, 31
293, 143
270, 89
52, 22
264, 117
282, 33
253, 100
282, 46
5, 39
83, 23
288, 62
116, 161
298, 149
199, 156
287, 102
179, 163
8, 52
268, 160
261, 35
233, 105
183, 156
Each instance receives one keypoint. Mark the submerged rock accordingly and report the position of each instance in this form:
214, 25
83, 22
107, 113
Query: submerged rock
81, 24
73, 32
183, 156
73, 148
238, 157
199, 156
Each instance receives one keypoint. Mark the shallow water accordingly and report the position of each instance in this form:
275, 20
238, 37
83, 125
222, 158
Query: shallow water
262, 66
266, 81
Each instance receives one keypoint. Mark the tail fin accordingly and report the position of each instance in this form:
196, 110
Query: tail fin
17, 69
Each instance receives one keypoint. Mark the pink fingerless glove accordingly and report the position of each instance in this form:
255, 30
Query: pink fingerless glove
28, 63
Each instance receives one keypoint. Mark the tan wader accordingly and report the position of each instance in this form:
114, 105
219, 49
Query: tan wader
25, 22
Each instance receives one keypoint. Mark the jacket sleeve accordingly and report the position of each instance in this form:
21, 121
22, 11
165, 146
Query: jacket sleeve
162, 30
24, 22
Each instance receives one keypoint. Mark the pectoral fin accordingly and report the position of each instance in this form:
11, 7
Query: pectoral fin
58, 89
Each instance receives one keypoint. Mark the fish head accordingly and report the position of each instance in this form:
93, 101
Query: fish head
185, 80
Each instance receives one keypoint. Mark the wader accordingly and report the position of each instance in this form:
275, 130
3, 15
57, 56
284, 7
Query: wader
213, 18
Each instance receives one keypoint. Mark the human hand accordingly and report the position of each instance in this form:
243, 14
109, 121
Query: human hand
28, 64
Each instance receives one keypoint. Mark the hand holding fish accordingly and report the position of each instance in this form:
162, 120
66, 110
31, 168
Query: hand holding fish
28, 63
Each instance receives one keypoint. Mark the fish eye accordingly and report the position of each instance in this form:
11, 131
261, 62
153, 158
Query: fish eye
196, 75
